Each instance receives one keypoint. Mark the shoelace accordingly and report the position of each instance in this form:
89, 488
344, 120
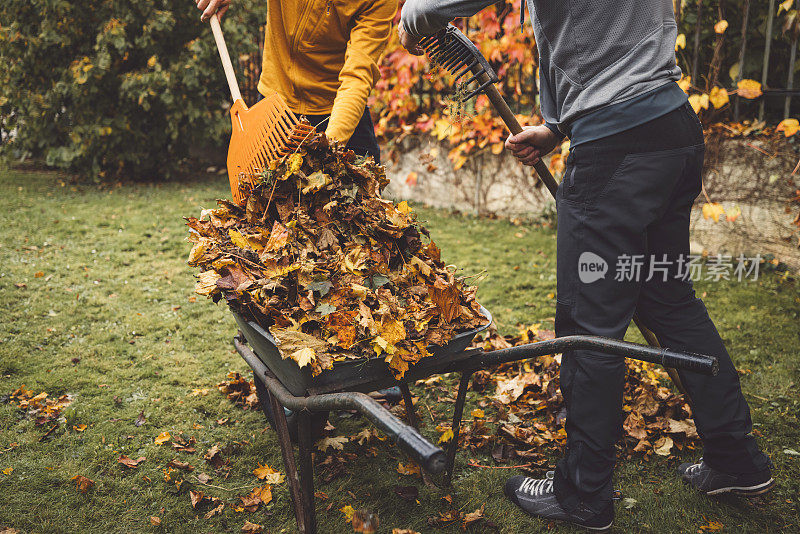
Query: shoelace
537, 487
693, 469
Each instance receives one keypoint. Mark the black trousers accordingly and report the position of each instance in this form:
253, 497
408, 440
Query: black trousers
629, 195
363, 141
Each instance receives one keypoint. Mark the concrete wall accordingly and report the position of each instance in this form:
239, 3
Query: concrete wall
740, 174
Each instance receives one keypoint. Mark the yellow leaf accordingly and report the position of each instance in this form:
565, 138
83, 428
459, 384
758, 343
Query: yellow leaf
79, 428
293, 165
497, 148
303, 356
477, 413
789, 127
207, 283
348, 512
685, 83
268, 474
733, 214
712, 526
162, 438
721, 26
238, 239
335, 442
699, 102
663, 446
446, 436
749, 89
151, 62
718, 97
786, 5
680, 42
713, 210
404, 208
8, 470
408, 469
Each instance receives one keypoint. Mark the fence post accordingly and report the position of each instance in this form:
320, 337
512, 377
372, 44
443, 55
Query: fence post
696, 53
787, 104
767, 46
740, 74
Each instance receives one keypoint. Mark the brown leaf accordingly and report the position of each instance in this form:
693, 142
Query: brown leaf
214, 511
130, 464
197, 498
473, 517
155, 521
252, 528
180, 465
82, 483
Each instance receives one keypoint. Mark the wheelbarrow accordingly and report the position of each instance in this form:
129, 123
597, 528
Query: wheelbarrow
288, 387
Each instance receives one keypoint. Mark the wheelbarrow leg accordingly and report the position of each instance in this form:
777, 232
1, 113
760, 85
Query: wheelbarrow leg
306, 443
456, 426
282, 428
411, 413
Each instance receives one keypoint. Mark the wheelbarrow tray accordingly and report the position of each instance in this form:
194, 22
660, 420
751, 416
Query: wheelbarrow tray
354, 375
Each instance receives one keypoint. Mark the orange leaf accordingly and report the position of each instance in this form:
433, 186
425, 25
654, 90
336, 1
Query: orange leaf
82, 483
749, 89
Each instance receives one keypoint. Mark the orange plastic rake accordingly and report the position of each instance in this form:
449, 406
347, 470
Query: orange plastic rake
260, 135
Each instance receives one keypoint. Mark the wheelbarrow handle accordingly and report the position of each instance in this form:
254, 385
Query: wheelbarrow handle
686, 361
429, 456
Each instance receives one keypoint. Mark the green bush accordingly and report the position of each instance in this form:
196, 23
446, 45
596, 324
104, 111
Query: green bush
116, 89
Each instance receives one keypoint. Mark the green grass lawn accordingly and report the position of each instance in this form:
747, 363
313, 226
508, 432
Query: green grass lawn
105, 313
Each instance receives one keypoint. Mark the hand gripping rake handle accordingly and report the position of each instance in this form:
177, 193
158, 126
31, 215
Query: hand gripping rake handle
226, 59
454, 52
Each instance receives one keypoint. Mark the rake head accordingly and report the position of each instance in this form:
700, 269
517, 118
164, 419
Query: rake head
455, 53
262, 135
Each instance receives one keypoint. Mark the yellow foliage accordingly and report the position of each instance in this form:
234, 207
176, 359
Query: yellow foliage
718, 97
713, 210
789, 127
749, 89
721, 26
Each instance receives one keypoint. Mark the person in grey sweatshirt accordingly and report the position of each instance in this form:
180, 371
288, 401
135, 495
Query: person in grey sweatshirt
607, 76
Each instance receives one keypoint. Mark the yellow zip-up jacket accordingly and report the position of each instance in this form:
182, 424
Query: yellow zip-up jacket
322, 56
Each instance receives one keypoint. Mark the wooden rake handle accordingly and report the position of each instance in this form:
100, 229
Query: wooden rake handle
513, 125
226, 59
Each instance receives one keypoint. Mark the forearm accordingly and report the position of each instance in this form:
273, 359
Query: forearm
348, 107
425, 17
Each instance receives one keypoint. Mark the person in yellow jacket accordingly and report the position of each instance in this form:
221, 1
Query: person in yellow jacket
322, 57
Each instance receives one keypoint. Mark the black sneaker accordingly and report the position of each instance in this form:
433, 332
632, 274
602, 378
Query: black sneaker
712, 482
536, 497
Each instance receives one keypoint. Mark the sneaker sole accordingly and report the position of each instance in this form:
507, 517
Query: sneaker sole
746, 491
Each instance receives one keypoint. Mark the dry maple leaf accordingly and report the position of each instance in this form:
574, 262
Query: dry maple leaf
268, 474
408, 469
155, 521
180, 465
82, 483
252, 528
129, 463
473, 517
335, 442
162, 438
214, 511
197, 497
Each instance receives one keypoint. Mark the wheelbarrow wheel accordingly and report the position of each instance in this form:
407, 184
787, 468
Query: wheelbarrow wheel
318, 419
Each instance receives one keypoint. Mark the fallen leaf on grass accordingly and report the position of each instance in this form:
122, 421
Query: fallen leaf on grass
336, 442
404, 531
259, 495
8, 470
473, 517
268, 474
408, 469
791, 452
348, 512
180, 465
446, 436
407, 493
252, 528
629, 502
364, 522
140, 420
124, 461
155, 521
712, 526
162, 438
197, 498
82, 483
215, 511
663, 446
79, 428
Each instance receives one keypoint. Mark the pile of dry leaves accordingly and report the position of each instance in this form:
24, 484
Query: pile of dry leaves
42, 408
533, 412
332, 269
